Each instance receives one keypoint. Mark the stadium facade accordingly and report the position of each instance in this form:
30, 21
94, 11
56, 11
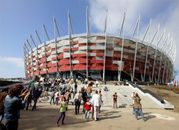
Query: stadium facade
101, 56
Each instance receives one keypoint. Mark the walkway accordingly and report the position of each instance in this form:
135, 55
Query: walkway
111, 119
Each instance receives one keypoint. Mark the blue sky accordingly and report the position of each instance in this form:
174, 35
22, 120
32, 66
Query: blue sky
20, 18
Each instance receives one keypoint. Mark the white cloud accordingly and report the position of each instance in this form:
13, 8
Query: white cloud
11, 67
13, 61
163, 12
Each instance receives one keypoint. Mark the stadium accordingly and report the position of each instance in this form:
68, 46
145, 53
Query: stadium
101, 56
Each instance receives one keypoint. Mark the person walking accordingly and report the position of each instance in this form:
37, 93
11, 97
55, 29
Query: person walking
77, 100
87, 108
115, 100
132, 96
84, 97
97, 83
138, 107
100, 94
62, 109
96, 102
36, 92
52, 97
28, 98
89, 89
12, 106
75, 86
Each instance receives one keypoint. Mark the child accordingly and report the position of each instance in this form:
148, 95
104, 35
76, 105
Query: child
63, 108
87, 107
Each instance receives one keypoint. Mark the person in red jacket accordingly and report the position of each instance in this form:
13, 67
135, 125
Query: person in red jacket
87, 107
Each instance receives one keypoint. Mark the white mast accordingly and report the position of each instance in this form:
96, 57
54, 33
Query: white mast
37, 57
155, 54
122, 51
146, 58
104, 60
137, 32
31, 56
87, 35
70, 33
55, 29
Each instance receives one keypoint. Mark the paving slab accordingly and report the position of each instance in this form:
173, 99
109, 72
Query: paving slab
45, 117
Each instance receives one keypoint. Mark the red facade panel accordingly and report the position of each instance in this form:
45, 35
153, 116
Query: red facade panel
64, 62
95, 58
79, 67
64, 68
50, 64
52, 69
78, 55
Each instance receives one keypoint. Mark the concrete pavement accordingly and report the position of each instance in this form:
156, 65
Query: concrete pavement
111, 119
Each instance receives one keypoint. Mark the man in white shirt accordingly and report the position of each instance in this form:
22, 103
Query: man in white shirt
97, 83
95, 100
77, 101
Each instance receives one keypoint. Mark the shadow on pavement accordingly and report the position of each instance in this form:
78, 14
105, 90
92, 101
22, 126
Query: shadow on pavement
148, 116
109, 115
45, 118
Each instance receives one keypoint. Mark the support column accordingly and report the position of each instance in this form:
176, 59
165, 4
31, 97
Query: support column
122, 51
155, 55
146, 56
104, 60
37, 58
136, 45
38, 37
70, 33
159, 68
161, 57
55, 27
25, 61
31, 58
164, 68
87, 36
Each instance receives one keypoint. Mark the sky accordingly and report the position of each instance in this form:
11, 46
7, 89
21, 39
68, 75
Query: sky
20, 18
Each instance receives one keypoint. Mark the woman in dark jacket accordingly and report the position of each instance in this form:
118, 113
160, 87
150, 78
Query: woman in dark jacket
12, 106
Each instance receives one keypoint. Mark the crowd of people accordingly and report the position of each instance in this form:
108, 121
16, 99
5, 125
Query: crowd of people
12, 100
59, 92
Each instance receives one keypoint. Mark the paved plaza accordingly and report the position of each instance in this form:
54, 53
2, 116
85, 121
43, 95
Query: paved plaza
111, 119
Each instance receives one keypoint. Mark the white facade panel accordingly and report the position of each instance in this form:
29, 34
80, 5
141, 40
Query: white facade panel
79, 52
75, 61
63, 43
49, 59
117, 49
82, 40
125, 56
83, 48
92, 54
52, 45
99, 58
60, 49
53, 53
66, 55
54, 62
109, 53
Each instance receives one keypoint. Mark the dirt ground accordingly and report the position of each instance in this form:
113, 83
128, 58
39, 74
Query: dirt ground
168, 95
